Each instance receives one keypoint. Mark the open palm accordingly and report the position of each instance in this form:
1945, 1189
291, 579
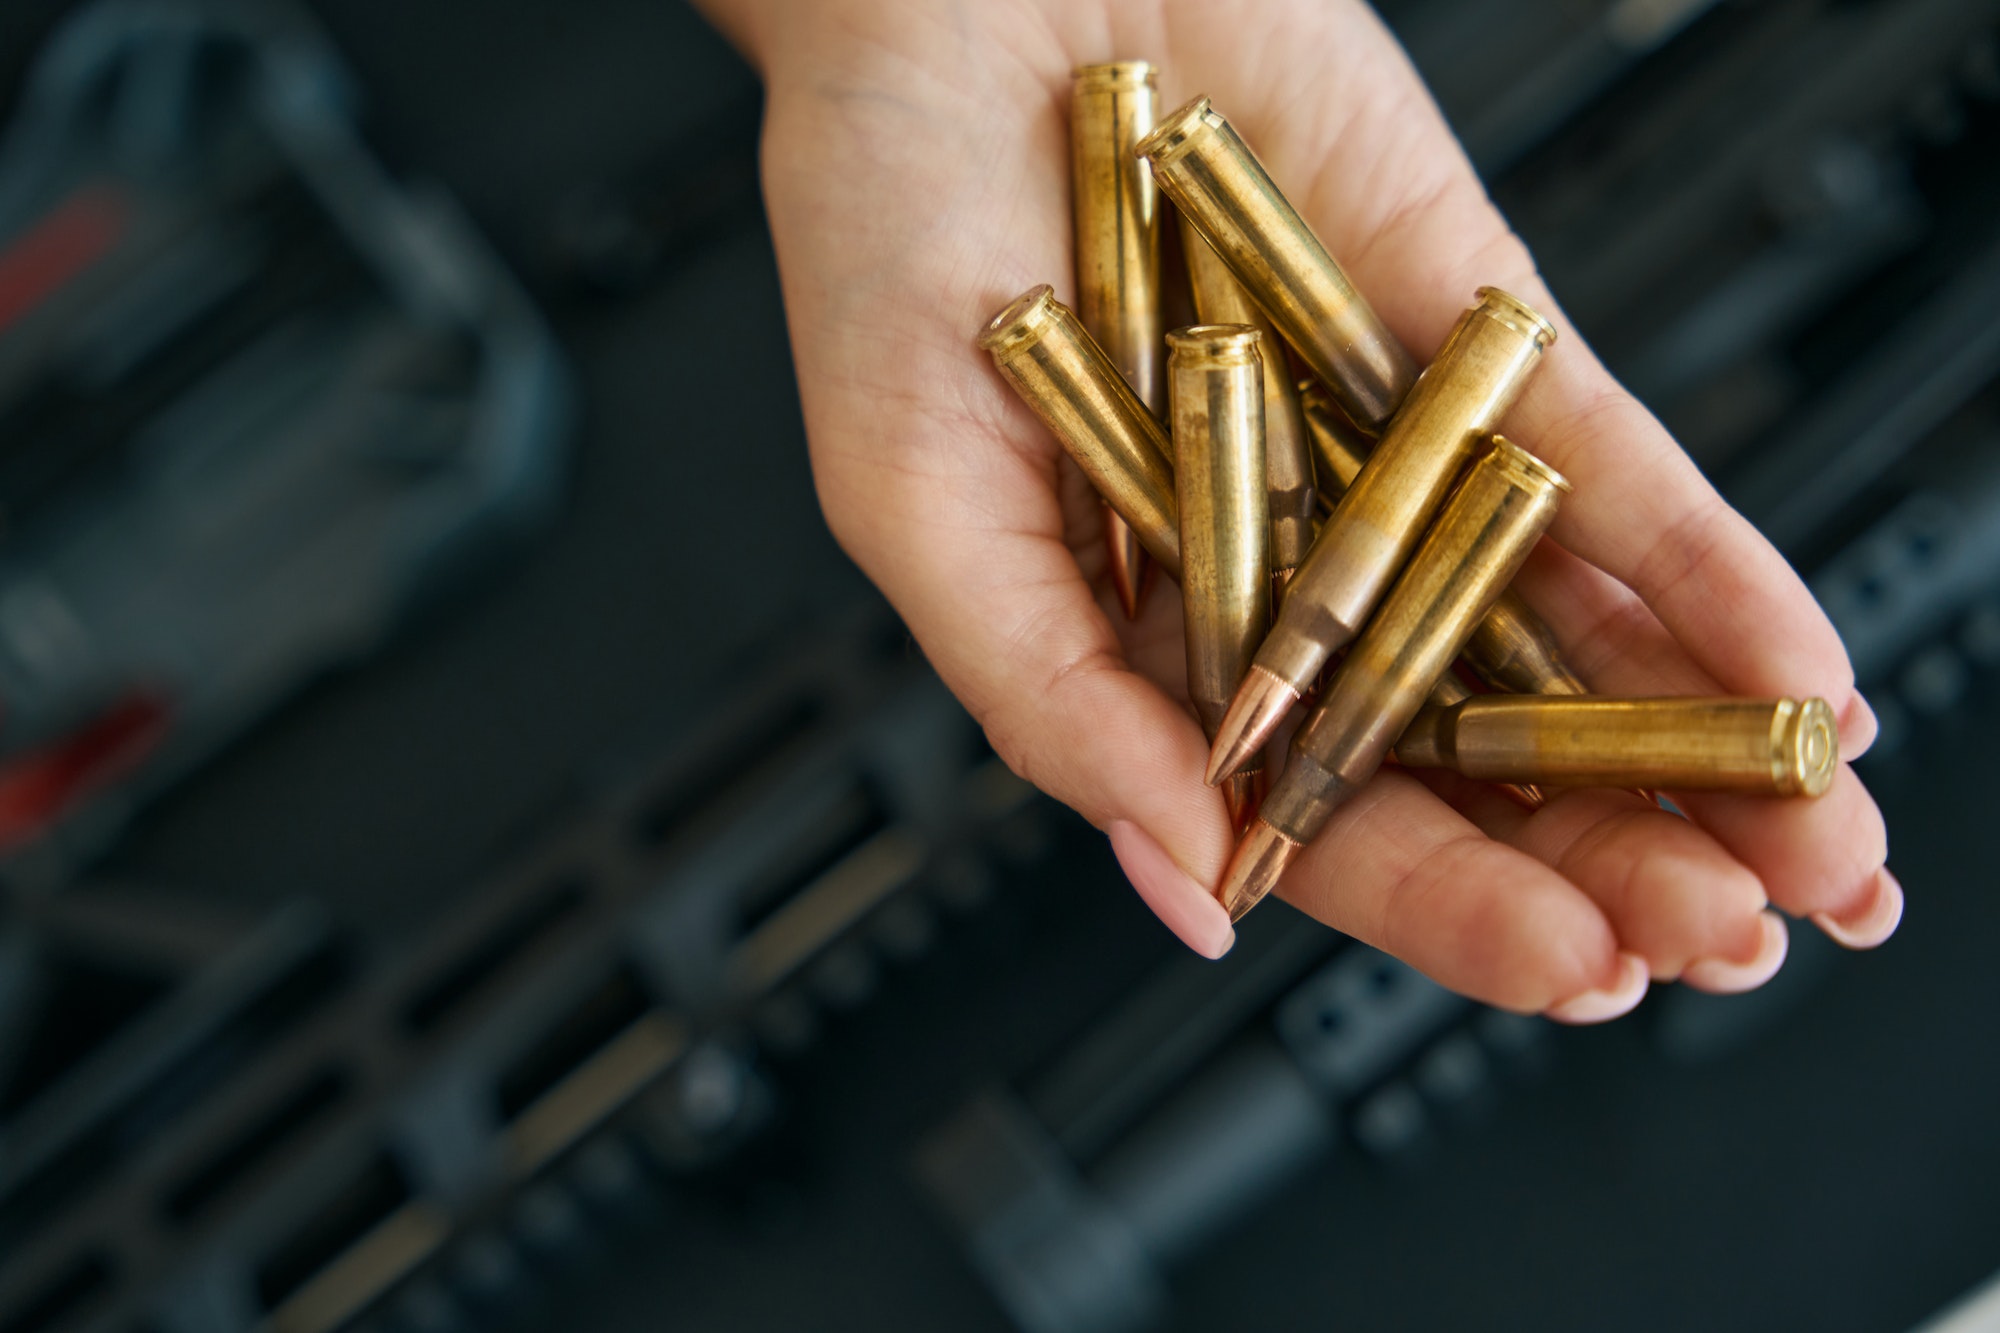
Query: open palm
916, 173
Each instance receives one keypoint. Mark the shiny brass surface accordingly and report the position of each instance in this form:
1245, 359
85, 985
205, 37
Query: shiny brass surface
1288, 467
1478, 373
1338, 446
1064, 376
1479, 542
1217, 183
1513, 649
1771, 747
1451, 690
1215, 374
1117, 216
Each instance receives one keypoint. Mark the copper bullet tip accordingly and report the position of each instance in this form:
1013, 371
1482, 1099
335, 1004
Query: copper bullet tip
1243, 793
1260, 704
1127, 562
1255, 868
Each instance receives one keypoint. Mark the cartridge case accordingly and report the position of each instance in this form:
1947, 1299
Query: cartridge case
1338, 446
1477, 545
1288, 467
1064, 376
1219, 185
1215, 382
1768, 747
1478, 374
1512, 648
1117, 216
1451, 690
1117, 213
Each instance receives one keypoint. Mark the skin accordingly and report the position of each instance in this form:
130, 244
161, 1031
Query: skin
916, 177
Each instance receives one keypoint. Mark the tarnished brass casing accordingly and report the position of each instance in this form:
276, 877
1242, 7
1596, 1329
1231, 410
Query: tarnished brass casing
1218, 183
1451, 690
1478, 373
1476, 547
1065, 377
1215, 383
1117, 214
1769, 747
1338, 446
1288, 468
1512, 648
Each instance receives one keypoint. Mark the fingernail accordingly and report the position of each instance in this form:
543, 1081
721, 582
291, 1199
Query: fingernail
1188, 909
1869, 922
1598, 1006
1858, 729
1719, 976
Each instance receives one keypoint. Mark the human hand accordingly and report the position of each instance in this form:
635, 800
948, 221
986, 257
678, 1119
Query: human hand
916, 168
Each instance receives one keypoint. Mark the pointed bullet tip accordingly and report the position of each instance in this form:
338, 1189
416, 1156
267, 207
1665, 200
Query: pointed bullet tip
1259, 862
1260, 705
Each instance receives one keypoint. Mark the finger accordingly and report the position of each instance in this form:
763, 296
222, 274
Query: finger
1403, 871
1819, 857
1672, 893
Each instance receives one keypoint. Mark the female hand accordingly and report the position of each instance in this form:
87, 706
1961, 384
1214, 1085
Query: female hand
916, 169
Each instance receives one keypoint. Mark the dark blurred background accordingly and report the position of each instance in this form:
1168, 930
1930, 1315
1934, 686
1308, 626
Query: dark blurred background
380, 684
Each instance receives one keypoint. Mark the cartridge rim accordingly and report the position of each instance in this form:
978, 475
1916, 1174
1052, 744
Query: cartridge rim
1504, 305
1116, 74
1176, 132
1526, 469
1808, 749
1022, 322
1216, 344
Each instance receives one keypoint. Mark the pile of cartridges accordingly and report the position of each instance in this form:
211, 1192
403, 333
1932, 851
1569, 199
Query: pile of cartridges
1375, 511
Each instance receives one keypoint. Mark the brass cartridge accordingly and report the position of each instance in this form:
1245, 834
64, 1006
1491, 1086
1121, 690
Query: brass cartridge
1338, 446
1479, 542
1461, 398
1766, 747
1288, 465
1218, 184
1117, 216
1451, 690
1512, 649
1065, 377
1216, 385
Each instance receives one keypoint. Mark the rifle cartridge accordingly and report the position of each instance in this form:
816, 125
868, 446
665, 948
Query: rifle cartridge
1451, 690
1478, 373
1218, 184
1215, 381
1288, 467
1117, 219
1768, 747
1065, 378
1338, 446
1477, 545
1512, 648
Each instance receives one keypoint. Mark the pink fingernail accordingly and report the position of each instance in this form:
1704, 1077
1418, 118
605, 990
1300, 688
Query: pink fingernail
1719, 976
1869, 922
1598, 1006
1187, 909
